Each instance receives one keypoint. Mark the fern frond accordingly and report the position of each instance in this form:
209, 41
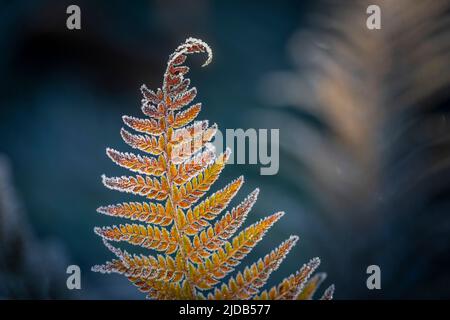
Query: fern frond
184, 150
311, 286
151, 188
231, 221
144, 212
145, 236
152, 145
328, 294
136, 163
192, 167
224, 258
162, 290
208, 209
189, 193
194, 254
290, 287
211, 239
145, 267
247, 284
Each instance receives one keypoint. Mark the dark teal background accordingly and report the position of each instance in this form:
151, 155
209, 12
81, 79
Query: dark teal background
62, 95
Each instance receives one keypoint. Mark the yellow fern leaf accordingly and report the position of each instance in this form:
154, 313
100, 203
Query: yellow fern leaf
183, 172
151, 188
196, 219
182, 99
290, 287
247, 284
194, 252
311, 287
161, 290
144, 212
212, 239
188, 193
224, 259
194, 140
145, 236
184, 117
187, 134
152, 111
150, 96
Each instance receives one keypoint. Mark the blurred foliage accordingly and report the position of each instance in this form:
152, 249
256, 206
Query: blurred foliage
29, 269
365, 118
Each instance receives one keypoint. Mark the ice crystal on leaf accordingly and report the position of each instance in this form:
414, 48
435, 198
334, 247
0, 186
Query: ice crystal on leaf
195, 246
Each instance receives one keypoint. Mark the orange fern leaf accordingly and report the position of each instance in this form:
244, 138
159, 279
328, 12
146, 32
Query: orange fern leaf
143, 142
205, 243
225, 258
208, 209
188, 193
145, 212
145, 267
192, 167
292, 286
151, 96
195, 252
328, 294
187, 116
162, 290
145, 236
152, 188
247, 284
149, 126
139, 164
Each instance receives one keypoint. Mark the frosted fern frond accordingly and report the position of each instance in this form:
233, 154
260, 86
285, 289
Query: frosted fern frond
195, 246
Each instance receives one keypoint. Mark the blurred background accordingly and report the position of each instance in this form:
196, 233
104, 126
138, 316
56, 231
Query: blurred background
364, 132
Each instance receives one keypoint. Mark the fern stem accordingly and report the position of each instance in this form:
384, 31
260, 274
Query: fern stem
180, 232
